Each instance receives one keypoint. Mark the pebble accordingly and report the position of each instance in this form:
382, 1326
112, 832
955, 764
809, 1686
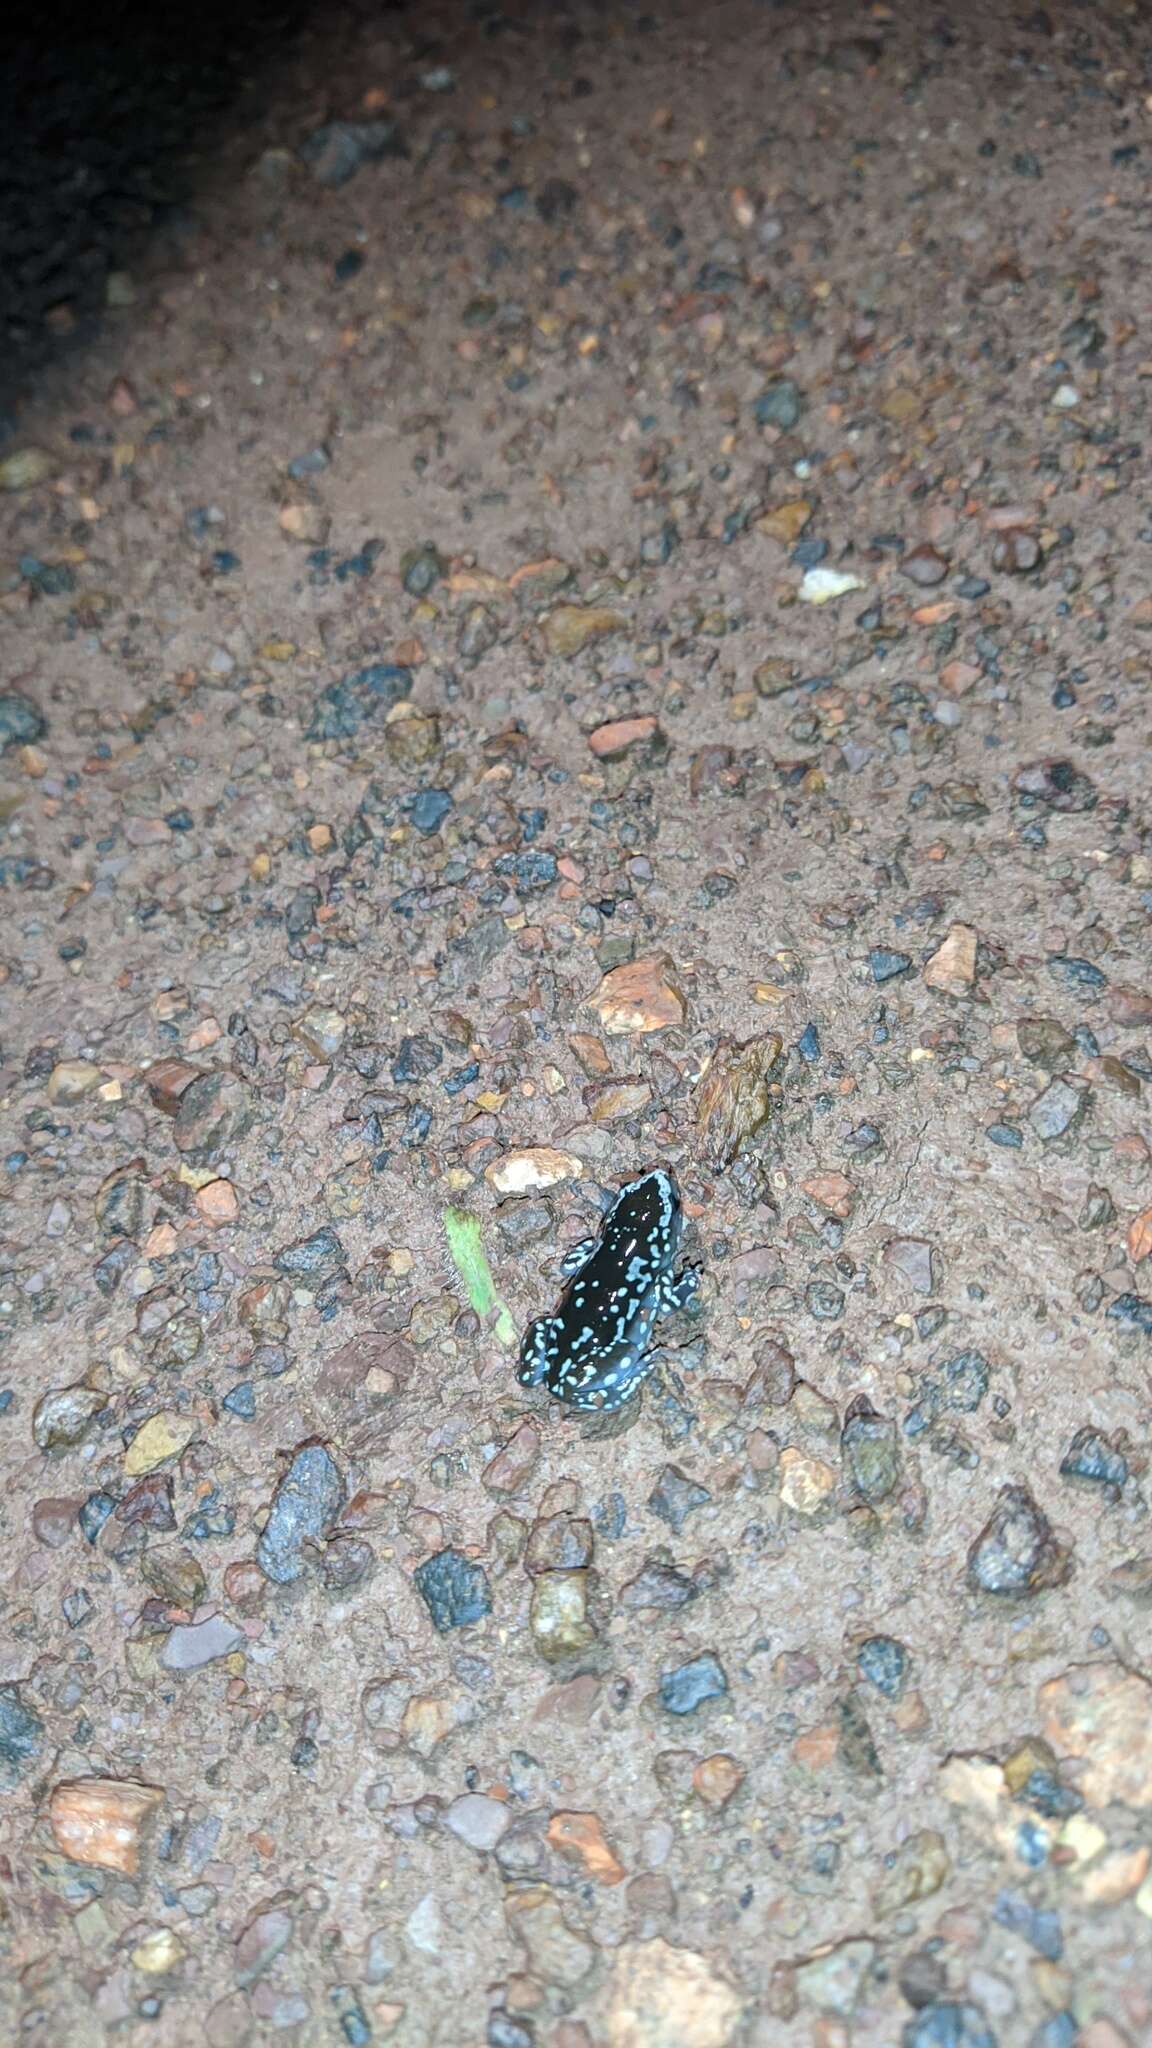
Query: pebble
164, 1435
914, 1260
21, 723
1060, 1108
825, 586
780, 405
639, 998
690, 1685
215, 1113
71, 1080
872, 1454
675, 1496
952, 968
885, 965
579, 1839
531, 1169
806, 1483
190, 1646
883, 1662
948, 2023
570, 628
306, 1503
924, 565
1101, 1714
21, 1735
558, 1616
920, 1866
1091, 1458
477, 1820
1016, 1552
454, 1589
104, 1821
660, 1996
359, 698
337, 150
26, 467
63, 1417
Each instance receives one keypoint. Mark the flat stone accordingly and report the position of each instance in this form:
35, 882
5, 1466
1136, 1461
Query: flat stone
103, 1821
912, 1257
513, 1465
824, 586
871, 1449
689, 1685
307, 1501
190, 1646
579, 1838
1045, 1043
21, 723
163, 1435
26, 467
920, 1866
1060, 1108
949, 2023
621, 736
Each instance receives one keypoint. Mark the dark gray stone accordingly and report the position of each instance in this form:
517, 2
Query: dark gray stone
454, 1589
21, 1737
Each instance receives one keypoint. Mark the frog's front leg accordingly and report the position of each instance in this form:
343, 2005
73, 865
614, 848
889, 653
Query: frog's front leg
578, 1255
677, 1291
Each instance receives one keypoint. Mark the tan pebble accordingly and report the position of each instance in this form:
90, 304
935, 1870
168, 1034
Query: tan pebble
217, 1203
103, 1821
952, 968
71, 1080
639, 998
621, 736
320, 838
716, 1779
532, 1168
805, 1483
579, 1838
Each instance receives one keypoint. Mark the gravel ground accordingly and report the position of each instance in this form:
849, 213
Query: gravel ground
591, 609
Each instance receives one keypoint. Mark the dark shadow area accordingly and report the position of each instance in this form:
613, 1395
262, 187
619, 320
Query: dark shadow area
108, 120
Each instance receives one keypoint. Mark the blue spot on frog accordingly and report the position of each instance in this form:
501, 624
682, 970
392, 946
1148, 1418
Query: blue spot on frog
594, 1352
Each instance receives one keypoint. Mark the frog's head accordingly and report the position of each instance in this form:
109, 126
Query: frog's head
537, 1347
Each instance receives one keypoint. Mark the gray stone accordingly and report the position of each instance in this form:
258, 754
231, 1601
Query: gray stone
193, 1644
478, 1821
1059, 1108
306, 1503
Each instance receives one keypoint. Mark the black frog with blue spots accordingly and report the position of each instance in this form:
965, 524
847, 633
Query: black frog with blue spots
594, 1352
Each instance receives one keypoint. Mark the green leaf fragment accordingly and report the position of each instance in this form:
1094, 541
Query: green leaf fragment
463, 1234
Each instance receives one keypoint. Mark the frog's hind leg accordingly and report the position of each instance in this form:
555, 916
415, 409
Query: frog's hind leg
676, 1293
577, 1256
